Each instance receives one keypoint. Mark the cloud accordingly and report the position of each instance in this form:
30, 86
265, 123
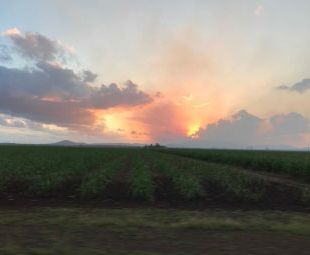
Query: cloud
7, 121
49, 93
10, 122
289, 124
163, 122
46, 80
89, 76
12, 32
53, 94
63, 113
5, 54
113, 95
35, 46
245, 129
159, 94
242, 127
299, 87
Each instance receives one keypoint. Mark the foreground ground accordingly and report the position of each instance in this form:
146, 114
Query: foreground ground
57, 200
152, 231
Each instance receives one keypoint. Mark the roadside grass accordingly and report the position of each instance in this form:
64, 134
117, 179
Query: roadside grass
167, 219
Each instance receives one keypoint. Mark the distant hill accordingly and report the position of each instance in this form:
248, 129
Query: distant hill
67, 143
8, 144
73, 144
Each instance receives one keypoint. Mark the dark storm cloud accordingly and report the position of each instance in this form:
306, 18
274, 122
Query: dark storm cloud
299, 87
245, 129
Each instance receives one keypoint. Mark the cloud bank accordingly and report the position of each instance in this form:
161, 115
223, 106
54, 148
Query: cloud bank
48, 92
245, 130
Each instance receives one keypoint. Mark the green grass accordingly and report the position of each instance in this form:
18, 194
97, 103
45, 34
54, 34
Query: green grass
135, 218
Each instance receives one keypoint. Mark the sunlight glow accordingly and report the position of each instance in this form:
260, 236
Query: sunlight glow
193, 130
112, 122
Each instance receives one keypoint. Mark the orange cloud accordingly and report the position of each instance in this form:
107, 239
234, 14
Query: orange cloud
167, 120
163, 121
12, 32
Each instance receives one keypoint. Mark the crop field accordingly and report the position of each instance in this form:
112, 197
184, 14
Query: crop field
294, 164
139, 174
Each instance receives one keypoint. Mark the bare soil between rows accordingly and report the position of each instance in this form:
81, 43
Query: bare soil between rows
28, 203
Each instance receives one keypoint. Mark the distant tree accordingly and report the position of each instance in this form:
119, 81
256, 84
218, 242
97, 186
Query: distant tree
156, 145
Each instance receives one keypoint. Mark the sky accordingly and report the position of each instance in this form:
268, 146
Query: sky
200, 73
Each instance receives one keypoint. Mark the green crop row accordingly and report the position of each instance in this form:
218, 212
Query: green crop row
140, 180
185, 182
124, 173
94, 183
295, 164
195, 178
42, 170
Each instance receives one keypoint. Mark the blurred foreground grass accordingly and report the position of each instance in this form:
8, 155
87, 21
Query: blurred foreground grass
135, 230
130, 219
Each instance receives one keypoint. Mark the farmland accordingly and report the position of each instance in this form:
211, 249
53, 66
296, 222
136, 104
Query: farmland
294, 164
67, 200
144, 175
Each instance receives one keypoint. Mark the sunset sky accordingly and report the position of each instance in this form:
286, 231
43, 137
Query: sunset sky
208, 73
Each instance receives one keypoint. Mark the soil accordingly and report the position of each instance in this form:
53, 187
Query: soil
171, 242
